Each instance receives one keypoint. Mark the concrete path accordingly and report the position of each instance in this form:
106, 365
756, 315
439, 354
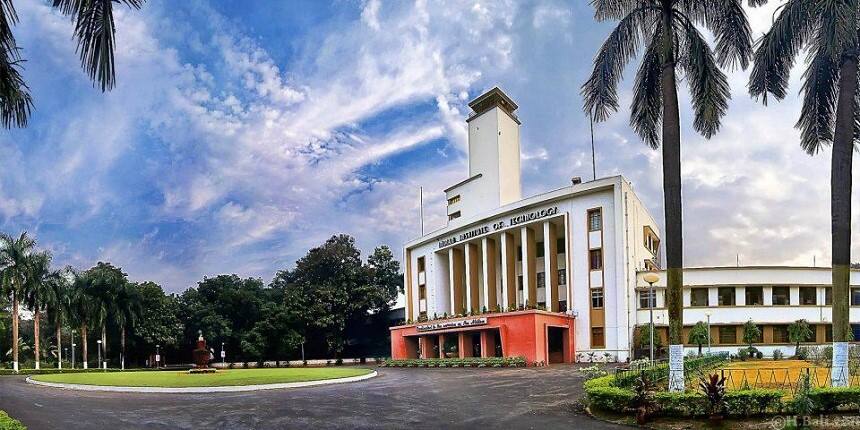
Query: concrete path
533, 398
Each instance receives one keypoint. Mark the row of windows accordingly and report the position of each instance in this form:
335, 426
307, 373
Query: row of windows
541, 279
754, 296
539, 249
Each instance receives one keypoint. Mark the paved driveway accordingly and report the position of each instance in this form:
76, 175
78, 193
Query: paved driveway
534, 398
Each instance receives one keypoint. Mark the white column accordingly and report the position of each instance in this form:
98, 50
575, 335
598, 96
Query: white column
486, 260
471, 276
451, 310
507, 242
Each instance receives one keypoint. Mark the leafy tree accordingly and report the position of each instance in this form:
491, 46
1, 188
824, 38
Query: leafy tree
827, 30
104, 283
94, 31
669, 30
37, 289
699, 335
14, 258
126, 312
58, 303
799, 331
159, 322
643, 338
752, 333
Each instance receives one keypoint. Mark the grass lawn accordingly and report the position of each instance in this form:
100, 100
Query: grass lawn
776, 374
221, 378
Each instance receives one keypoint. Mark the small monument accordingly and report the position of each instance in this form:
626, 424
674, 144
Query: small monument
201, 356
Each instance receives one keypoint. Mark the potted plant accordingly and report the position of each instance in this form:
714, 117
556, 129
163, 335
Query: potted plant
714, 389
643, 398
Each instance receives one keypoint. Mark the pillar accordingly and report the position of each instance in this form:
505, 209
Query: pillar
509, 271
488, 259
550, 262
441, 340
529, 270
407, 282
473, 302
455, 266
488, 348
464, 344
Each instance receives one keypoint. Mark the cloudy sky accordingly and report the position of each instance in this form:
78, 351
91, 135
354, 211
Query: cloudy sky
243, 133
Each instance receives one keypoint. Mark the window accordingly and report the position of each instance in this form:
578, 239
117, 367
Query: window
541, 280
779, 296
597, 298
828, 333
754, 296
726, 296
647, 299
454, 215
780, 334
595, 257
828, 296
728, 335
453, 200
420, 264
422, 292
539, 251
559, 245
595, 220
562, 277
519, 253
808, 296
855, 330
597, 337
855, 297
519, 282
699, 297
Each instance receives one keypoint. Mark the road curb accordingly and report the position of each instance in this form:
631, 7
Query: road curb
203, 390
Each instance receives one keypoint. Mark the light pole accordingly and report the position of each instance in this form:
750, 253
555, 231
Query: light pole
708, 316
223, 355
157, 356
100, 351
651, 278
73, 349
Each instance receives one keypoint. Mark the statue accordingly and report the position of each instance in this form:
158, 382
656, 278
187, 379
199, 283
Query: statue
201, 356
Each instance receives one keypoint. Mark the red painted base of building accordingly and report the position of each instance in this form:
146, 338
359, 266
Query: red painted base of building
540, 337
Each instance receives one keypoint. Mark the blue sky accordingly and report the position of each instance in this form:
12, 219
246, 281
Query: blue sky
243, 133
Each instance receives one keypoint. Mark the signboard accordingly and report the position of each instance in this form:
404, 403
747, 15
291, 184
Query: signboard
157, 358
839, 372
676, 367
499, 225
223, 354
444, 325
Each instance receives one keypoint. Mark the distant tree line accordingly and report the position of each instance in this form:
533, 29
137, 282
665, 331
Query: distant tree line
327, 299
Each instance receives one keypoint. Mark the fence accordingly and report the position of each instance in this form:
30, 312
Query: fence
658, 370
783, 378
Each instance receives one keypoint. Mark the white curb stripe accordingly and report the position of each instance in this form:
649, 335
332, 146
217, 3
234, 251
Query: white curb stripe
202, 390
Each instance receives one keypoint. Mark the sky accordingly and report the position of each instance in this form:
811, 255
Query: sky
241, 134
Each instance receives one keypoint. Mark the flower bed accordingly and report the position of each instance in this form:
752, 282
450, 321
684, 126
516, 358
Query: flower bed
458, 362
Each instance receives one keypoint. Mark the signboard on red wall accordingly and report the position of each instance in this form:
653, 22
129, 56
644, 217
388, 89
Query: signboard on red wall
444, 325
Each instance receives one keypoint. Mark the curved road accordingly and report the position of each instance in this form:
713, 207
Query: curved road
533, 398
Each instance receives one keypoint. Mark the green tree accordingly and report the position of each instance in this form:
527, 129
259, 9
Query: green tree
14, 257
127, 311
799, 331
669, 30
82, 310
58, 303
752, 333
827, 31
37, 289
643, 338
699, 335
159, 323
94, 31
104, 282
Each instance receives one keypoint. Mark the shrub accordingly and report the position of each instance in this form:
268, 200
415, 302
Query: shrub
802, 404
9, 423
714, 388
610, 398
743, 354
683, 404
777, 354
591, 372
830, 399
801, 353
759, 355
751, 402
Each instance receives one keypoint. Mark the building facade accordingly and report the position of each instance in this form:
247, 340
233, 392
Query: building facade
550, 277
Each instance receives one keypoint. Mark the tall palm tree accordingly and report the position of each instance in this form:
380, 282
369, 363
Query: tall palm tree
127, 311
94, 31
669, 32
14, 256
36, 289
105, 282
828, 31
81, 310
58, 303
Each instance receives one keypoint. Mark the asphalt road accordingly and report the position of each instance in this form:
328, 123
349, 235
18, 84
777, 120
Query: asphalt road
533, 398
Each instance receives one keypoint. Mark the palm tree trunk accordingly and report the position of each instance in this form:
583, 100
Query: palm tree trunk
84, 345
104, 346
15, 331
59, 329
122, 347
36, 319
672, 182
840, 195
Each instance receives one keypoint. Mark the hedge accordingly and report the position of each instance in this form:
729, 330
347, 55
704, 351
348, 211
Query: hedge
52, 371
9, 423
830, 399
458, 362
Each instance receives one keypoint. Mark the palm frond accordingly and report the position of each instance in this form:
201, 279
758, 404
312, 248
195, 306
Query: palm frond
616, 9
709, 87
95, 30
757, 3
776, 51
600, 90
16, 103
646, 109
820, 92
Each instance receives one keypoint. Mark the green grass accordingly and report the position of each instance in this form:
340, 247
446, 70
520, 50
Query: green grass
221, 378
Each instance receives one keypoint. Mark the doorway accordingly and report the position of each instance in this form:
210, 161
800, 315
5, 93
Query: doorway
555, 344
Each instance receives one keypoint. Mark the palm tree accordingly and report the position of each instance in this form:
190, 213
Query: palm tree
58, 303
36, 289
105, 282
81, 309
827, 30
14, 256
94, 31
669, 31
127, 311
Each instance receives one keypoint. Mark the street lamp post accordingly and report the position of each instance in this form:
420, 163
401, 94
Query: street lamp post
708, 316
223, 355
100, 351
73, 349
157, 356
651, 278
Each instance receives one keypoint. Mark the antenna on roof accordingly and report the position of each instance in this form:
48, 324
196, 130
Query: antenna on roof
421, 208
593, 162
